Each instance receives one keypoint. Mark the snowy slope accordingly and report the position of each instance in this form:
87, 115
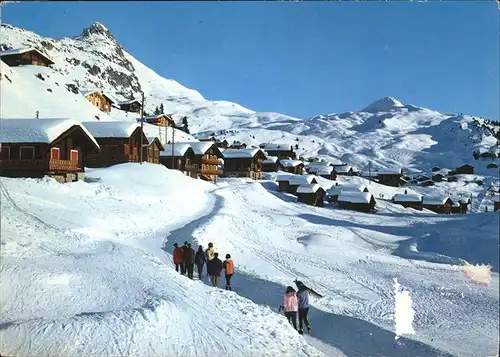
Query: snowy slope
388, 133
84, 273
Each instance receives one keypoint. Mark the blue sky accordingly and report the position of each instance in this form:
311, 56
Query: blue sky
302, 58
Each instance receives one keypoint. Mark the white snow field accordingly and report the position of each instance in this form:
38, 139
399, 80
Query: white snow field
86, 271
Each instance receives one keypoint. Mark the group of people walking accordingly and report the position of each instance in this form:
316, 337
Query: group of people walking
185, 258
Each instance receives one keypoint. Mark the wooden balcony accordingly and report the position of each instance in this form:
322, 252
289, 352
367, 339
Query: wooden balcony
40, 165
211, 161
210, 172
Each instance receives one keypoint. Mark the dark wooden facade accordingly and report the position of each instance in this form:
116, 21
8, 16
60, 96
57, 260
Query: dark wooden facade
496, 205
297, 169
437, 178
313, 198
245, 167
492, 166
63, 159
117, 150
391, 179
465, 169
133, 106
361, 207
417, 205
30, 57
293, 185
100, 100
184, 163
159, 120
444, 207
151, 152
284, 152
208, 163
270, 165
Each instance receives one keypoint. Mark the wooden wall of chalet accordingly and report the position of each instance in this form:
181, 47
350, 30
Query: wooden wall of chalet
445, 208
283, 185
297, 170
313, 199
390, 180
415, 205
100, 101
162, 120
270, 167
63, 156
282, 154
361, 207
27, 58
244, 167
133, 107
183, 163
116, 151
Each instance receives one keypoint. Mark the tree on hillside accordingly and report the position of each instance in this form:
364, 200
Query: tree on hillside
161, 109
185, 127
157, 111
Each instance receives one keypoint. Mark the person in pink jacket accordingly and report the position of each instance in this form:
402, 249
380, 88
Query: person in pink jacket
290, 306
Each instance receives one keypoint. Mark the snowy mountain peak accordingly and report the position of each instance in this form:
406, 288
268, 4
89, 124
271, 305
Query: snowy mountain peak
98, 30
385, 104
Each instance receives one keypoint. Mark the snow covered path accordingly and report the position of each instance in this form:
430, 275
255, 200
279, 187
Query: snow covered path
84, 273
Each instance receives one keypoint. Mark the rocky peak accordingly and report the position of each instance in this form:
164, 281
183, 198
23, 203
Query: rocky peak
384, 105
98, 30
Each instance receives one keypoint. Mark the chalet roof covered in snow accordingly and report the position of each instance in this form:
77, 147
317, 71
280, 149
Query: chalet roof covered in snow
323, 170
151, 139
88, 91
18, 51
342, 169
284, 177
302, 179
240, 153
435, 201
180, 149
308, 188
355, 197
111, 129
270, 159
199, 147
129, 101
409, 197
37, 130
291, 163
390, 172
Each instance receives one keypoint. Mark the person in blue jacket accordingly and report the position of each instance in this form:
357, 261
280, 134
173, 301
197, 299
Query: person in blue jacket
303, 298
200, 258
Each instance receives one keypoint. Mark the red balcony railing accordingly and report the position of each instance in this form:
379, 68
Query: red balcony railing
40, 165
63, 166
211, 161
210, 172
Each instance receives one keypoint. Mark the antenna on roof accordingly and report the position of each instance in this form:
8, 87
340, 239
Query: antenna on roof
37, 114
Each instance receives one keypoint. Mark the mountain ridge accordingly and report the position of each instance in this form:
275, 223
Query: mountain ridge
386, 133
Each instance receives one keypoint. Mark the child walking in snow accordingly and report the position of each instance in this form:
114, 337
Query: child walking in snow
228, 269
290, 305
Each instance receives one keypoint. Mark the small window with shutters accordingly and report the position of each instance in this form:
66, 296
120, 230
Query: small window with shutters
27, 153
74, 157
4, 152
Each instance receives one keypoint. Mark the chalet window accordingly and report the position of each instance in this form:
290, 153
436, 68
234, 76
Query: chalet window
4, 153
27, 153
126, 148
54, 153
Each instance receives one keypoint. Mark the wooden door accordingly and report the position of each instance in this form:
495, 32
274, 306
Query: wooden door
74, 157
54, 153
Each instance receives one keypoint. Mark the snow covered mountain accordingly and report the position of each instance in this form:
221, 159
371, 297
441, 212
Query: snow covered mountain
387, 133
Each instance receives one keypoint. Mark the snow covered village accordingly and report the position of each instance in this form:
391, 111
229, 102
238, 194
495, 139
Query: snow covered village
140, 219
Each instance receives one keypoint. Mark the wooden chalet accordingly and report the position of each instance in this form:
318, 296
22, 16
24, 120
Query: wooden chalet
179, 156
333, 192
39, 147
98, 98
438, 177
237, 145
327, 172
465, 169
282, 151
409, 200
492, 166
344, 170
151, 150
436, 169
120, 142
496, 203
312, 194
438, 204
131, 105
243, 163
271, 164
292, 166
460, 206
220, 144
207, 159
159, 120
427, 183
313, 167
25, 56
283, 181
391, 178
452, 179
297, 180
357, 201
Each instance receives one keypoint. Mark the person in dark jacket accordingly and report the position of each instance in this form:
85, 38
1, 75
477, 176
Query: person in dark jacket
215, 268
184, 252
189, 260
178, 257
200, 259
303, 299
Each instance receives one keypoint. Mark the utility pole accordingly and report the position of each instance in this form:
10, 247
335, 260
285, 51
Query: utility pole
369, 173
37, 114
173, 138
142, 127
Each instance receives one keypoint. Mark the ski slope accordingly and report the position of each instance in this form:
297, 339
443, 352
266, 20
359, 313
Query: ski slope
86, 270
